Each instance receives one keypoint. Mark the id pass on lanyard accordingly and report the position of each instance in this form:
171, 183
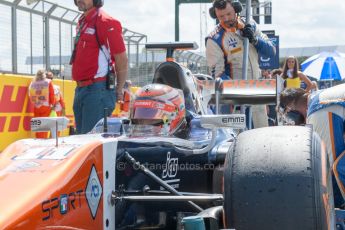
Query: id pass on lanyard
82, 26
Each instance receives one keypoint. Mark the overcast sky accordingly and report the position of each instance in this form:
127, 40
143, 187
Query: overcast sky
299, 23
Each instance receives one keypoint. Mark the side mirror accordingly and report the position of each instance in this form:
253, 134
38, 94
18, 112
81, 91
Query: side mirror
214, 122
236, 121
52, 124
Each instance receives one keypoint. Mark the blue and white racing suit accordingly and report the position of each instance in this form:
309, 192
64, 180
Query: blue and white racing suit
326, 112
224, 54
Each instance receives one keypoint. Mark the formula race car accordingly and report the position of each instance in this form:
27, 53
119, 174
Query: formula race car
130, 175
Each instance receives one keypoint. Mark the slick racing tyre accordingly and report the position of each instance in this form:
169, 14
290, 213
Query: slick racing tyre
278, 178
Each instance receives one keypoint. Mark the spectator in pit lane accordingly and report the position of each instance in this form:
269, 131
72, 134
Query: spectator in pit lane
293, 77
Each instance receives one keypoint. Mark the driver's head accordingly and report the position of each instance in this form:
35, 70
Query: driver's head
159, 105
294, 99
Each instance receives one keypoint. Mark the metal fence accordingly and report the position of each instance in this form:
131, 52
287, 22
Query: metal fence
40, 36
36, 36
142, 72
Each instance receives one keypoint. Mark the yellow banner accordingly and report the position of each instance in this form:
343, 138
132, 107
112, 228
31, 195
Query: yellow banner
16, 111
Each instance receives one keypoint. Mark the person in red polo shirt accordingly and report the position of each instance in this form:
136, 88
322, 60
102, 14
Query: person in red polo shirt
99, 51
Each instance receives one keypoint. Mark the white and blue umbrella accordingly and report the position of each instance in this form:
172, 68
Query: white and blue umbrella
325, 66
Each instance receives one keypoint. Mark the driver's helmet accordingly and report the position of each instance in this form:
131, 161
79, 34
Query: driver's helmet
159, 105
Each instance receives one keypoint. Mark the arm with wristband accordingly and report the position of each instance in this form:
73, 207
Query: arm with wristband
121, 73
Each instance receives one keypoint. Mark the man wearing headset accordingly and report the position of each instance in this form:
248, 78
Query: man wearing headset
99, 53
224, 48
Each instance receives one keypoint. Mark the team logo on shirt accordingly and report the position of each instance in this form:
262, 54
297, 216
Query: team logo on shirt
232, 42
90, 30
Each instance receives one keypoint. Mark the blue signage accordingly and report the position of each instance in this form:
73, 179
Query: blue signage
271, 62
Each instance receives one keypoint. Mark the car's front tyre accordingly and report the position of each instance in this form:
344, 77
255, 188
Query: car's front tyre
278, 178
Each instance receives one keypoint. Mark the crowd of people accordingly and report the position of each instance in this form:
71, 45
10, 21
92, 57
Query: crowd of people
287, 77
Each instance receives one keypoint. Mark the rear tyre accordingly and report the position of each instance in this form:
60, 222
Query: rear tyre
278, 178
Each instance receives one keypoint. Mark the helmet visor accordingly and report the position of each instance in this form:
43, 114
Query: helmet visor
148, 116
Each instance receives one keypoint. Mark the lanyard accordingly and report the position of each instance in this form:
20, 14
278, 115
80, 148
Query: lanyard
81, 29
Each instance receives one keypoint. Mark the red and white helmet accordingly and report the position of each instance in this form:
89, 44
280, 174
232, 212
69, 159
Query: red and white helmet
159, 105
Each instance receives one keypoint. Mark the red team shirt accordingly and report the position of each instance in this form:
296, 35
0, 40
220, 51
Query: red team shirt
89, 61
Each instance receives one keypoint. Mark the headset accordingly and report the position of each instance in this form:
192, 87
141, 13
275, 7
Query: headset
96, 3
235, 4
